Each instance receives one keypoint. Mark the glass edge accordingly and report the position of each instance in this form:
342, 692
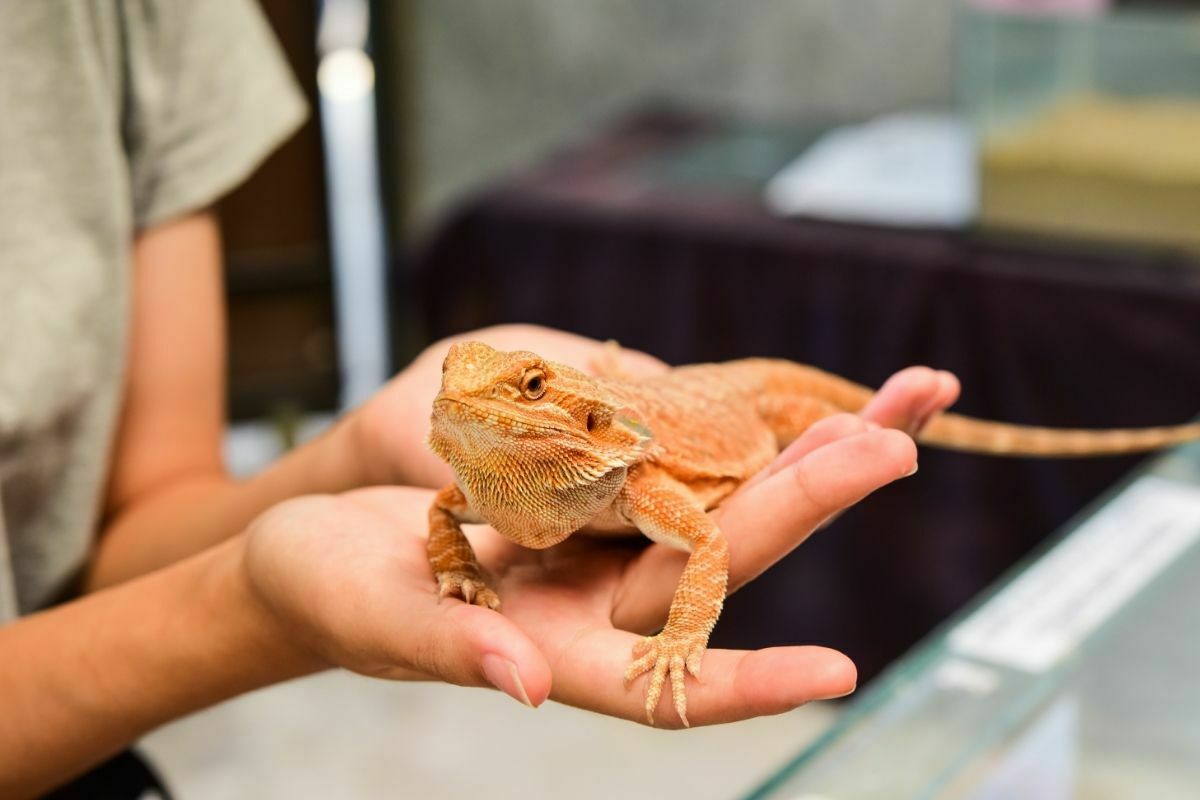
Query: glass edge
932, 645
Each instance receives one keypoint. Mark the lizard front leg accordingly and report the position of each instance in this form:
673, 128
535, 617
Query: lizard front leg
665, 511
454, 564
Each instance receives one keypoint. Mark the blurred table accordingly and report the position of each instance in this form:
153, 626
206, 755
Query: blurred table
653, 234
1075, 677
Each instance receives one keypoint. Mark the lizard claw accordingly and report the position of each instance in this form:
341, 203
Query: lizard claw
472, 588
667, 655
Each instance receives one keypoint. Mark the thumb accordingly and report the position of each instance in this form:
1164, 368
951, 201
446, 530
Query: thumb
474, 646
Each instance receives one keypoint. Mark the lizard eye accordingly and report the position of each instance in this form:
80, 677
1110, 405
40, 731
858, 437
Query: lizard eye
533, 384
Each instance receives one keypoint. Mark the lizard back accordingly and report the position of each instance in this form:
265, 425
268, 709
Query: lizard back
785, 397
705, 427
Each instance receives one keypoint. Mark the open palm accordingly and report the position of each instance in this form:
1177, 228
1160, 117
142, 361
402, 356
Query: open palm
349, 576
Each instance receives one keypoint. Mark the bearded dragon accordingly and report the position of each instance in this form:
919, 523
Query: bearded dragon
540, 450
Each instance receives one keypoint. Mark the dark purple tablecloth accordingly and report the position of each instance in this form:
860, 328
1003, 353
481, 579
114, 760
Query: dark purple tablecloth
590, 241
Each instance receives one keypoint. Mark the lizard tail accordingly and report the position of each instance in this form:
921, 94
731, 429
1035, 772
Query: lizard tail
782, 380
779, 380
956, 432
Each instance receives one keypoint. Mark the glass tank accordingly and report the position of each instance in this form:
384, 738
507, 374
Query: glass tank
1088, 123
1076, 677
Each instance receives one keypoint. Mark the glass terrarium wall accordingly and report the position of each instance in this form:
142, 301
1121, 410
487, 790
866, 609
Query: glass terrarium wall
487, 86
1089, 123
1070, 679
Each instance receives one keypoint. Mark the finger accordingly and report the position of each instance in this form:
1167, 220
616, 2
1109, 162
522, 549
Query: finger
949, 390
821, 433
911, 397
907, 401
765, 522
737, 684
475, 646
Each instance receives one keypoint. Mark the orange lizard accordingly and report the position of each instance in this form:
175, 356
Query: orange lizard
541, 450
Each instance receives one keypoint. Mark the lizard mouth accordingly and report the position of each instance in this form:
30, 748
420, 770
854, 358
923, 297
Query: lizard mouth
457, 409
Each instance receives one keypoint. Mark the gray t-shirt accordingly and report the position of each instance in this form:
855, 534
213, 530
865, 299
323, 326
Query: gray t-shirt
114, 115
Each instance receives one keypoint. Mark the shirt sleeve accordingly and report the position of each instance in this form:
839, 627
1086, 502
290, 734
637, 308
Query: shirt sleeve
208, 96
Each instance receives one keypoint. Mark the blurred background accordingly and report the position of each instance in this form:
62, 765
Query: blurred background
1009, 189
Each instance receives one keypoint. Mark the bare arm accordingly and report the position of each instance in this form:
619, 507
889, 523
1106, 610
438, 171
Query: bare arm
83, 680
169, 495
291, 596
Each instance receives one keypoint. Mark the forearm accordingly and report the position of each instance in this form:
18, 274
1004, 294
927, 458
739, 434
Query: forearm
194, 512
83, 680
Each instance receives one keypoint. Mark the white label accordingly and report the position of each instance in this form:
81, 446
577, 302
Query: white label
1053, 606
954, 674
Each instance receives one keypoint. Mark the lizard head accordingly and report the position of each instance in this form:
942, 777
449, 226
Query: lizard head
538, 448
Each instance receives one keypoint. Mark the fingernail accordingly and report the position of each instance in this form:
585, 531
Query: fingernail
503, 674
839, 695
911, 472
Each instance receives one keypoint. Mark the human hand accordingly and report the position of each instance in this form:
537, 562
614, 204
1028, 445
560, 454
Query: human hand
349, 577
390, 429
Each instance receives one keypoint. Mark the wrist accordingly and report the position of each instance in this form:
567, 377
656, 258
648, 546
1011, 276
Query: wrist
206, 624
333, 463
253, 634
354, 438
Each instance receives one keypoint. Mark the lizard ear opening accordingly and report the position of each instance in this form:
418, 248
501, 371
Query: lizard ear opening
619, 428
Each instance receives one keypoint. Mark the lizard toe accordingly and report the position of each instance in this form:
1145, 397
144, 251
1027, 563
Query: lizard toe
667, 656
640, 665
472, 588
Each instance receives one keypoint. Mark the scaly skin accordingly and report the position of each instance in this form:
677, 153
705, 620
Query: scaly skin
540, 450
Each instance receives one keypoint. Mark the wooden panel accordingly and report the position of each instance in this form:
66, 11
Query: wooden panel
278, 277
